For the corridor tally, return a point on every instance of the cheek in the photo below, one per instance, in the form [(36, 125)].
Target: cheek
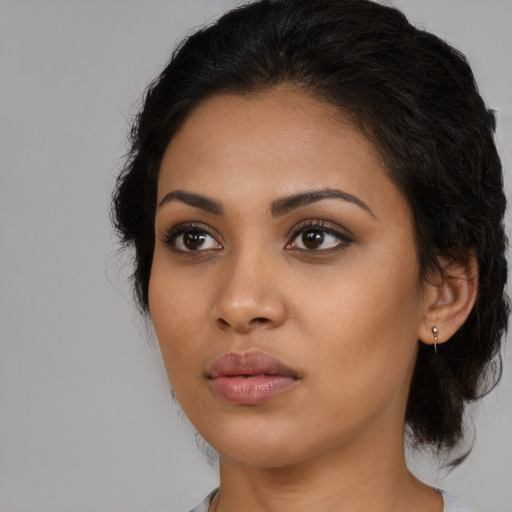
[(360, 297), (363, 330), (176, 312)]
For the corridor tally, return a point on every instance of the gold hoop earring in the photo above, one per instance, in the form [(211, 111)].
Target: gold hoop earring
[(435, 332)]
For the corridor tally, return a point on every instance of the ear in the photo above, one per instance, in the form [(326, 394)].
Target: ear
[(449, 298)]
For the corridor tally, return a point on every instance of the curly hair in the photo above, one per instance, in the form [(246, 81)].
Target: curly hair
[(415, 98)]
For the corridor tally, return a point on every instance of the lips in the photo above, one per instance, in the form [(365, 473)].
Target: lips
[(250, 378)]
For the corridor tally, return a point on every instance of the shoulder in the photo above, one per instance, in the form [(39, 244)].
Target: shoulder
[(205, 504), (452, 505)]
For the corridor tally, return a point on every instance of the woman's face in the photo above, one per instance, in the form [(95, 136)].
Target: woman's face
[(284, 289)]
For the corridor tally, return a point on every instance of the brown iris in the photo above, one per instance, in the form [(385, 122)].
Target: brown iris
[(313, 239), (193, 240)]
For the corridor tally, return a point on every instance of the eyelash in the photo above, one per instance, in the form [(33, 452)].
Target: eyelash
[(172, 235), (321, 226), (344, 240)]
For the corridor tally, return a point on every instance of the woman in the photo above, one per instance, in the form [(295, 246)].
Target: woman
[(316, 206)]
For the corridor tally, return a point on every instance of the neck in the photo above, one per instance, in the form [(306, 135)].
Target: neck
[(351, 478)]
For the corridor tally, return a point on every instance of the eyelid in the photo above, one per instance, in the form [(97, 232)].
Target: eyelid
[(343, 234), (171, 234)]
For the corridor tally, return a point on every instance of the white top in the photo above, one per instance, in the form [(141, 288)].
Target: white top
[(450, 503)]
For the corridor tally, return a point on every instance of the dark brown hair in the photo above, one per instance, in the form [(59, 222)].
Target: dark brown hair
[(415, 97)]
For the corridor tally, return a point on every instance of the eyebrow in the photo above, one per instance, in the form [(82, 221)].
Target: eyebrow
[(287, 204), (278, 208), (196, 200)]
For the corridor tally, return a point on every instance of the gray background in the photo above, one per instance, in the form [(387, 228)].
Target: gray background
[(86, 419)]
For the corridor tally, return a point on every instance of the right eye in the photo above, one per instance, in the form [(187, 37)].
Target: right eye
[(191, 239)]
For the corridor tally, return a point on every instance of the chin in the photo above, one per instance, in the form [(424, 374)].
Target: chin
[(259, 445), (258, 456)]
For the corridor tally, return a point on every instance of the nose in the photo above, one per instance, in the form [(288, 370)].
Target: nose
[(249, 296)]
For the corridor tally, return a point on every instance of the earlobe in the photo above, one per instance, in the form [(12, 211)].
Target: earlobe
[(450, 297)]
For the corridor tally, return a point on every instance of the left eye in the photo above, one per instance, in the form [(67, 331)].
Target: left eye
[(317, 239), (195, 240)]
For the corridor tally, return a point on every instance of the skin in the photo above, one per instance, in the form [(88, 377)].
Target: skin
[(345, 316)]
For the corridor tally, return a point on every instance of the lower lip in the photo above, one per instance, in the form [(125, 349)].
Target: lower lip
[(251, 390)]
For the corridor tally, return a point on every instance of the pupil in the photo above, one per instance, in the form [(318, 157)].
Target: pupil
[(193, 239), (313, 239)]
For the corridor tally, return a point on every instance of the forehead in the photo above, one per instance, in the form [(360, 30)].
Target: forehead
[(278, 142)]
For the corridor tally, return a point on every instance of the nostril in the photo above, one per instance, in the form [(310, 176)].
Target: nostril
[(222, 322), (260, 320), (243, 327)]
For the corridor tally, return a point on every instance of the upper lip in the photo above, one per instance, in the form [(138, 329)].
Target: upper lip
[(249, 363)]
